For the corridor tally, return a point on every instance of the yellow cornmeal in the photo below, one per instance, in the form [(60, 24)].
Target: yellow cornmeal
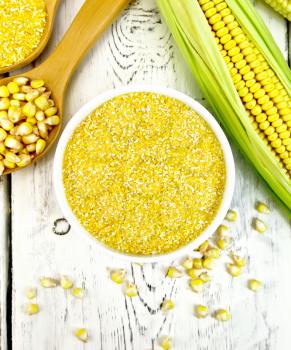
[(144, 173), (22, 24)]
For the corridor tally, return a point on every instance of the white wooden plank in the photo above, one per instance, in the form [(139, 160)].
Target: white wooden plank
[(139, 49), (4, 257)]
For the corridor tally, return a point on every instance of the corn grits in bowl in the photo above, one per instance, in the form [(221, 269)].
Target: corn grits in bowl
[(145, 171)]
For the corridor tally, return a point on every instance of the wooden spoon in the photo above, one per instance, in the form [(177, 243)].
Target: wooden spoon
[(93, 18), (51, 8)]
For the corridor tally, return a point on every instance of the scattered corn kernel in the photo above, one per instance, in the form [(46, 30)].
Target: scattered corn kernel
[(31, 293), (203, 247), (66, 283), (222, 315), (187, 263), (78, 292), (196, 285), (254, 285), (204, 276), (212, 253), (221, 230), (238, 260), (223, 242), (82, 334), (130, 290), (118, 276), (197, 263), (193, 273), (262, 208), (168, 304), (48, 282), (231, 215), (259, 225), (201, 311), (233, 270), (166, 343), (31, 309), (208, 263), (173, 272)]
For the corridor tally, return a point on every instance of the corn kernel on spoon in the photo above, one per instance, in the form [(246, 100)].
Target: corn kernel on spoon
[(93, 18), (51, 10)]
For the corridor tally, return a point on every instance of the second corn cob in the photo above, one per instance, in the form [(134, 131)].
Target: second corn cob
[(244, 76), (281, 6)]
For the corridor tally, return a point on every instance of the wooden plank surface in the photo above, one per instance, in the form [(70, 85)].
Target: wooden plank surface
[(139, 49)]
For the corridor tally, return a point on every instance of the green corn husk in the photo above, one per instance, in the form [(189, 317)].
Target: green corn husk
[(281, 6), (193, 35)]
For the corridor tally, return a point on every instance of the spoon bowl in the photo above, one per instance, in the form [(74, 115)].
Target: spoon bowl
[(91, 21), (51, 9)]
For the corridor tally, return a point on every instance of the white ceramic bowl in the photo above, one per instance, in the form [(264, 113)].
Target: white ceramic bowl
[(85, 111)]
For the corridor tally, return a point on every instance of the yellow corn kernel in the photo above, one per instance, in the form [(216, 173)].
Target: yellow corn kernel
[(40, 146), (4, 92), (118, 276), (31, 309), (20, 81), (12, 142), (42, 102), (82, 334), (39, 116), (14, 114), (187, 263), (201, 311), (28, 139), (35, 84), (29, 110), (19, 96), (196, 285), (259, 225), (8, 164), (78, 292), (4, 103), (254, 285), (48, 282), (204, 276), (221, 230), (168, 305), (130, 290), (197, 263), (231, 215), (223, 242), (3, 134), (24, 129), (222, 315), (166, 343), (212, 253), (54, 120), (51, 111), (25, 160), (173, 272), (31, 293), (203, 247), (13, 88), (262, 208), (30, 96), (32, 120), (233, 270), (66, 282), (238, 260), (193, 273), (15, 103), (12, 157), (208, 263)]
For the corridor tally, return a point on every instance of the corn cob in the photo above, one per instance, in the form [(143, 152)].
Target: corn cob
[(243, 74), (281, 6)]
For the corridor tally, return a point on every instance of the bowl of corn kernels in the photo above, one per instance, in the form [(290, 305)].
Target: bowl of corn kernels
[(145, 171)]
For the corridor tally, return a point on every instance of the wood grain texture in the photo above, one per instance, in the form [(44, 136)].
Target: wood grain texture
[(139, 49)]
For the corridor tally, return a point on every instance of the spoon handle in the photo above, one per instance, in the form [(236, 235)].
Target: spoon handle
[(93, 18)]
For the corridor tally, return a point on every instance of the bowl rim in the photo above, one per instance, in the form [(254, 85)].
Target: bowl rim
[(84, 112)]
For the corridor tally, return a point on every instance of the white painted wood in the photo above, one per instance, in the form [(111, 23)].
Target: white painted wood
[(138, 49), (4, 258)]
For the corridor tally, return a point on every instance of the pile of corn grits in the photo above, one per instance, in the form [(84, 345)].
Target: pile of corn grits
[(144, 174)]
